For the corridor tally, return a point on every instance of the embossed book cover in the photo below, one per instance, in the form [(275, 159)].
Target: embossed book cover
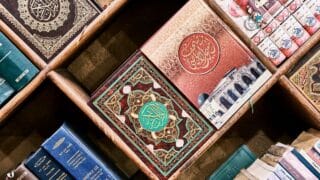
[(307, 79), (151, 117), (206, 62), (47, 26)]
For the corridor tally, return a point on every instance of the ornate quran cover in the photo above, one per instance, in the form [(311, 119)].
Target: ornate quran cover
[(307, 79), (206, 62), (150, 116), (47, 26)]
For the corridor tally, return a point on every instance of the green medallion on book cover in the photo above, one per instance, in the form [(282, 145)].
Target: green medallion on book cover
[(153, 116)]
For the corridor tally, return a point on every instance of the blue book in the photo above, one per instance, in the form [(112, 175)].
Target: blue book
[(77, 157), (42, 165), (241, 159), (306, 163), (15, 67)]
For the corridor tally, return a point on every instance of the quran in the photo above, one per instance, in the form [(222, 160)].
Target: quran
[(47, 26), (150, 116), (307, 79)]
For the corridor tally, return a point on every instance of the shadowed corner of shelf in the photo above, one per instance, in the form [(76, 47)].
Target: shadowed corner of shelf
[(18, 99), (300, 101)]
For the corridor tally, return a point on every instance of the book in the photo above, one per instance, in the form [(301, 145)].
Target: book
[(240, 159), (314, 155), (15, 67), (78, 159), (262, 171), (297, 169), (305, 141), (6, 91), (44, 166), (196, 49), (244, 175), (47, 26), (150, 116), (307, 161), (279, 171), (307, 80), (20, 173)]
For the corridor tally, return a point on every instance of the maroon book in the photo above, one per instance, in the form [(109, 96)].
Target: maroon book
[(206, 62), (151, 117), (47, 26)]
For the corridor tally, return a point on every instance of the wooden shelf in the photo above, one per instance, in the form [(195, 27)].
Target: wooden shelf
[(14, 102), (78, 95)]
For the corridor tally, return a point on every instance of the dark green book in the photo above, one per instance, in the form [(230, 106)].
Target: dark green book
[(15, 67), (6, 91), (241, 159)]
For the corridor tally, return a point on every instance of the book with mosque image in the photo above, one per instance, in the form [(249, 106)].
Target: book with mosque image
[(47, 26), (151, 117), (206, 62)]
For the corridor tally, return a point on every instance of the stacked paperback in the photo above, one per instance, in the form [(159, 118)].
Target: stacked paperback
[(277, 27), (16, 71), (65, 155), (300, 160)]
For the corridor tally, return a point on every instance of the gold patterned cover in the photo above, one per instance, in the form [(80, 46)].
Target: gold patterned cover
[(307, 79), (47, 26), (151, 117)]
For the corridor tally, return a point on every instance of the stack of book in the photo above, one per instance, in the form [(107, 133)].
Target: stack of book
[(277, 27), (300, 160), (16, 71), (66, 155)]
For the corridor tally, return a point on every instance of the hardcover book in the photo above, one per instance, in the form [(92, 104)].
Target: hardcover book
[(6, 91), (240, 159), (206, 62), (261, 170), (307, 79), (15, 67), (150, 116), (42, 165), (47, 26), (77, 157), (21, 173)]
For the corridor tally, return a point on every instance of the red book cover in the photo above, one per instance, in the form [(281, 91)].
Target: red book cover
[(151, 117), (205, 61)]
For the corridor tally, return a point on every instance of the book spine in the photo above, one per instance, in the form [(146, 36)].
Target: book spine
[(314, 156), (14, 66), (76, 158), (295, 167), (310, 164), (6, 91), (44, 166), (21, 173), (282, 173)]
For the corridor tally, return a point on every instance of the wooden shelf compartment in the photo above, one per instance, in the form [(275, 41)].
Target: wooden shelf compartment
[(272, 121), (39, 117), (298, 100), (74, 90)]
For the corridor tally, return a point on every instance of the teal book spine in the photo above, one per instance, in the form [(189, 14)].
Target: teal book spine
[(241, 159), (6, 91), (15, 67)]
